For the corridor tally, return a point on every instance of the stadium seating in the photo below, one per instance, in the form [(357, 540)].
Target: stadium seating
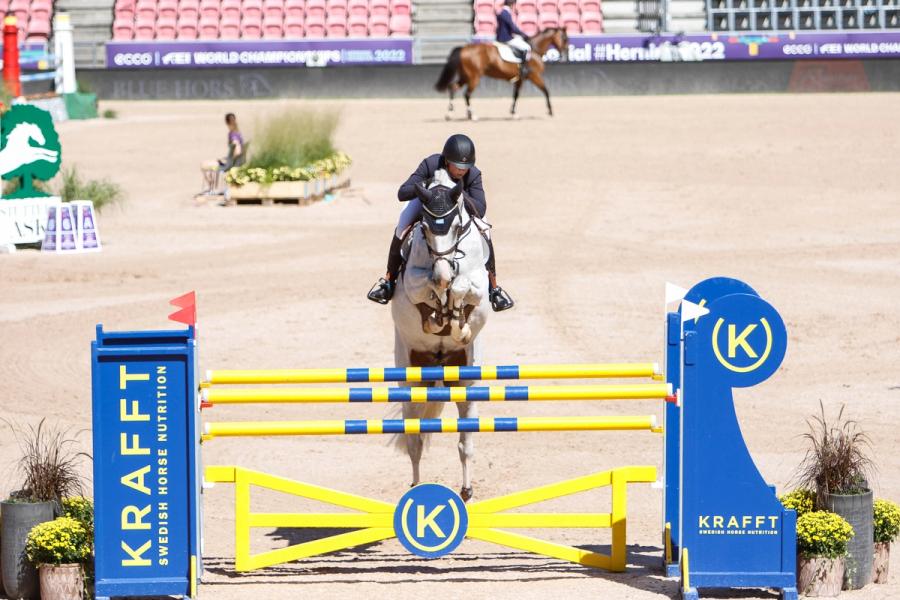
[(531, 16)]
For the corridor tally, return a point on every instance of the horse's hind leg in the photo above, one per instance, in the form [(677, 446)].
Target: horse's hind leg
[(466, 446), (452, 91), (414, 442), (470, 87), (539, 82)]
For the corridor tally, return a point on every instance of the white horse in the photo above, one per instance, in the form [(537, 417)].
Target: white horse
[(440, 305), (18, 150)]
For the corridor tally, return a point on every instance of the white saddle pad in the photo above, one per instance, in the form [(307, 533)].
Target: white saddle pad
[(506, 53)]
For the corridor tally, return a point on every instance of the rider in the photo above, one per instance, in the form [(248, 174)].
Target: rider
[(512, 36), (458, 160)]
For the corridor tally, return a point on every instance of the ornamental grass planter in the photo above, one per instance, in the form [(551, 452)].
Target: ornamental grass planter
[(62, 582), (20, 578), (881, 563), (820, 577), (856, 509), (301, 192)]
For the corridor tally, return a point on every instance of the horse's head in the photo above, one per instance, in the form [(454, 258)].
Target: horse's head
[(23, 132), (560, 39), (444, 219)]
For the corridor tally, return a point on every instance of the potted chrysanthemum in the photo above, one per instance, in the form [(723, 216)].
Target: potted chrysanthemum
[(886, 526), (58, 547), (821, 548)]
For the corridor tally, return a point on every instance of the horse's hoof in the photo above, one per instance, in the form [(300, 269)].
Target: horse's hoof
[(466, 494), (447, 117), (514, 116)]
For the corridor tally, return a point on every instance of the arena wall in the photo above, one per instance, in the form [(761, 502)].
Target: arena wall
[(563, 80)]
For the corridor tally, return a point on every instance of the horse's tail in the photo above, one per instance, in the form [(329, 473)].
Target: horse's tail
[(450, 70), (427, 410)]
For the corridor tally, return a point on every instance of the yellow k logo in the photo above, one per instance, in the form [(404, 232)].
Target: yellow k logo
[(740, 340), (422, 521)]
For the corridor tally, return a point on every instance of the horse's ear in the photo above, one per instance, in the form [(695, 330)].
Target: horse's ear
[(456, 191), (422, 192)]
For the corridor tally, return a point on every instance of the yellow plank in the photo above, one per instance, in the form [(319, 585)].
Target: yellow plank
[(314, 492), (560, 551), (219, 474), (317, 547), (539, 520), (539, 494), (316, 520)]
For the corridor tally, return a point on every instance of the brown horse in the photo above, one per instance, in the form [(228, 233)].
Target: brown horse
[(467, 64)]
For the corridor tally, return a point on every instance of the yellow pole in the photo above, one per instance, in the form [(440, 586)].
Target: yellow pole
[(645, 391)]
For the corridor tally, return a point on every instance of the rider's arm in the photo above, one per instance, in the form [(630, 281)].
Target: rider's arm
[(475, 199), (518, 31), (407, 191)]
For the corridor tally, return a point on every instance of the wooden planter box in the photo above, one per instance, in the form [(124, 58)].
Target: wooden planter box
[(294, 192)]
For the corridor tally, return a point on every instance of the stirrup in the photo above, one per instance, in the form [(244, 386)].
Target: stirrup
[(500, 300), (381, 292)]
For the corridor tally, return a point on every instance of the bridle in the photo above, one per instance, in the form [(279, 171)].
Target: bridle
[(461, 232)]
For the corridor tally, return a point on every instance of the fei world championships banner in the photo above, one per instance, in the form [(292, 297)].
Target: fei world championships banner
[(599, 48)]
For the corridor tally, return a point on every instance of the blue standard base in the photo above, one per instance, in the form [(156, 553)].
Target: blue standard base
[(788, 593)]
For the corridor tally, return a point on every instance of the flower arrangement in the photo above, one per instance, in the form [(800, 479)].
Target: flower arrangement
[(801, 500), (326, 167), (823, 534), (61, 541), (887, 521), (82, 510)]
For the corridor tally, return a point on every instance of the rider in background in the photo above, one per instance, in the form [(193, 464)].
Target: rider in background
[(458, 161), (508, 33)]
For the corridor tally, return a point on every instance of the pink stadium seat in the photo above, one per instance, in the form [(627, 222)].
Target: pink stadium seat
[(547, 20), (357, 25), (251, 8), (592, 22), (41, 11), (273, 9), (293, 26), (251, 27), (123, 29), (314, 26), (229, 28), (145, 9), (526, 9), (547, 6), (272, 28), (144, 29), (189, 9), (19, 5), (485, 25), (38, 28), (294, 8), (208, 29), (400, 25), (380, 7), (209, 8), (21, 15), (401, 8), (4, 6), (379, 25), (571, 21), (337, 9), (358, 7), (528, 23), (315, 8), (485, 4), (485, 13), (188, 30), (165, 28), (125, 13), (589, 6), (125, 4), (336, 25), (231, 9), (167, 9), (568, 6)]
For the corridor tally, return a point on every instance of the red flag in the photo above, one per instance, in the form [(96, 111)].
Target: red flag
[(188, 305)]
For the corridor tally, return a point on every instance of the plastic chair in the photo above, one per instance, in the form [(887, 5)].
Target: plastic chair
[(125, 13), (589, 6), (529, 24), (359, 8), (401, 8), (210, 8), (337, 9), (208, 28), (231, 9), (336, 26), (123, 29), (273, 9), (272, 28), (189, 9), (547, 7), (527, 6), (145, 10), (315, 8), (251, 27), (229, 29), (379, 26), (357, 26), (571, 21), (485, 26), (38, 28), (314, 26), (592, 23), (548, 20), (252, 9), (293, 26), (188, 30), (380, 7), (165, 28), (294, 8), (144, 29), (401, 25)]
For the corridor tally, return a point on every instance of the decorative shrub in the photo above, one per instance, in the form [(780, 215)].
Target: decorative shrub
[(61, 541), (82, 510), (332, 165), (822, 534), (887, 521), (801, 500), (49, 463), (292, 137)]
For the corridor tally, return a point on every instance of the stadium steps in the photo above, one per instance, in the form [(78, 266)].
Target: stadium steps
[(92, 24), (440, 26), (687, 15)]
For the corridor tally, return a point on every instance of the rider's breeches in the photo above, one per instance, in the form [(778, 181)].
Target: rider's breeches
[(519, 44)]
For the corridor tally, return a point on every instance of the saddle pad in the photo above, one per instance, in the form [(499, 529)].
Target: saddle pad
[(506, 53)]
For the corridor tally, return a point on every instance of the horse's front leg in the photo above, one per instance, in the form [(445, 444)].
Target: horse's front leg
[(414, 443), (466, 446), (452, 90), (459, 327)]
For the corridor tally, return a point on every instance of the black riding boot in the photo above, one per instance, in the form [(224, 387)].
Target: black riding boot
[(500, 300), (383, 291), (523, 67)]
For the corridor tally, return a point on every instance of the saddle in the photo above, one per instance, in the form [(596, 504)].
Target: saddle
[(507, 54)]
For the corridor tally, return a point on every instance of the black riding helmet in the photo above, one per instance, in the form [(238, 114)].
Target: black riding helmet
[(459, 150)]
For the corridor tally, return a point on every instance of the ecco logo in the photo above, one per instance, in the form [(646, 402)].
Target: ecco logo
[(133, 59)]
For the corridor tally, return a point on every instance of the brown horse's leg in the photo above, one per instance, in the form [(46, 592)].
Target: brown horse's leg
[(452, 89), (537, 80), (516, 87), (470, 87)]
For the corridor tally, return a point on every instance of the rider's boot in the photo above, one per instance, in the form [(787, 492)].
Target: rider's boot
[(500, 300), (383, 291), (523, 67)]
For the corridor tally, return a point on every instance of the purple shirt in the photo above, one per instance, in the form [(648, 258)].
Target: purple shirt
[(234, 137)]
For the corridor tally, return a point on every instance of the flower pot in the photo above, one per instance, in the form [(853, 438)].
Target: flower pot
[(822, 577), (857, 510), (62, 582), (882, 562), (20, 579)]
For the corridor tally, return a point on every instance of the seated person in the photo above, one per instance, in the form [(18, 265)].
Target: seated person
[(236, 156)]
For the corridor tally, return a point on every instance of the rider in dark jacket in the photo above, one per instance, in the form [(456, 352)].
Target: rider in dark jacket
[(508, 33), (458, 160)]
